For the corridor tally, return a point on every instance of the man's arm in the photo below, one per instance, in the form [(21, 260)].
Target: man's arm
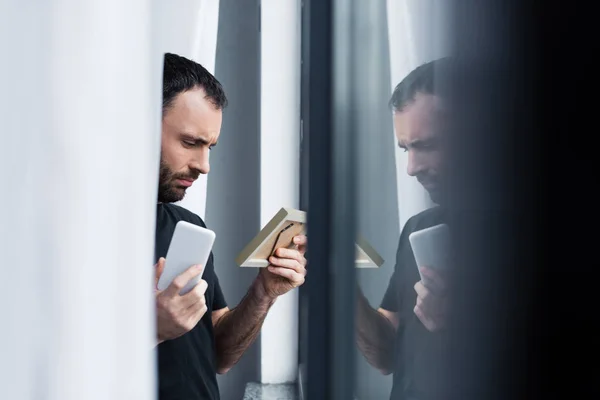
[(376, 334), (235, 330)]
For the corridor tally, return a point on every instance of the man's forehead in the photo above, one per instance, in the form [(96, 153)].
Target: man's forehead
[(425, 106), (193, 105), (194, 115), (423, 114)]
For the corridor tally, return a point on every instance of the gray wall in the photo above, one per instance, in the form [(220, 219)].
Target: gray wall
[(377, 194), (233, 198)]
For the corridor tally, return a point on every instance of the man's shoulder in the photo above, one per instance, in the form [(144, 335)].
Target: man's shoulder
[(425, 219), (183, 214)]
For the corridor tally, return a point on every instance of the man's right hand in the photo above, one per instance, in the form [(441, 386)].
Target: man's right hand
[(177, 314)]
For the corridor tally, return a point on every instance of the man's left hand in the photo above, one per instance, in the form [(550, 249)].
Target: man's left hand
[(431, 300), (287, 269)]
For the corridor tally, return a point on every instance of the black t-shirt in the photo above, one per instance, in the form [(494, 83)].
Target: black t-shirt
[(419, 371), (187, 365)]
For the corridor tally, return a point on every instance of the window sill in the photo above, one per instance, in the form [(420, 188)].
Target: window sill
[(262, 391)]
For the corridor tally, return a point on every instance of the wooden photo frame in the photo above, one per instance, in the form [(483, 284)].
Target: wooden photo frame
[(366, 255), (280, 231)]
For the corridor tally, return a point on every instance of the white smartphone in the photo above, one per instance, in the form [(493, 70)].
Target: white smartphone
[(190, 245), (431, 247)]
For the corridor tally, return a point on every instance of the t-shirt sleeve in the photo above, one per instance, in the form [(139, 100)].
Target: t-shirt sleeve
[(218, 297), (218, 302), (393, 295), (391, 298)]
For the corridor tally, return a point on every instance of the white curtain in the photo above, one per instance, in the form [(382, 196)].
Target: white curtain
[(280, 168), (418, 33), (80, 88), (189, 28)]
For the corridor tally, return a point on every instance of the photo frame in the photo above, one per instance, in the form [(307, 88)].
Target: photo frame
[(280, 231)]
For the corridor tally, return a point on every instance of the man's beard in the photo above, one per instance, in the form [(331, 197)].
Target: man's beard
[(168, 189), (436, 196), (436, 193)]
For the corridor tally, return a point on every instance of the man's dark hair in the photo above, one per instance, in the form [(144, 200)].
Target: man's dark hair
[(425, 79), (181, 74)]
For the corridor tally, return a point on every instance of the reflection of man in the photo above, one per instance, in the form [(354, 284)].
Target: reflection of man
[(198, 335), (404, 336)]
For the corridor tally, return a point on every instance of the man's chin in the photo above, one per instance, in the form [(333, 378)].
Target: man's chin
[(173, 195), (435, 196)]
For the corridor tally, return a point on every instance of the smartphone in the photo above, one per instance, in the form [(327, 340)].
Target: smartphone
[(431, 247), (190, 245)]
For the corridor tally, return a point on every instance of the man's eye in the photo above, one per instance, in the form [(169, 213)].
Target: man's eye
[(427, 146), (189, 143)]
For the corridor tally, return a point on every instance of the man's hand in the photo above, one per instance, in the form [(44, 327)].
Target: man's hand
[(237, 329), (431, 300), (176, 314), (286, 271)]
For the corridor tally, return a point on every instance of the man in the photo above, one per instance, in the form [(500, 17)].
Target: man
[(198, 335), (405, 335)]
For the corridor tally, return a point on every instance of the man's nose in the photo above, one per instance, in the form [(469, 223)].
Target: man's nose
[(200, 163), (414, 165)]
